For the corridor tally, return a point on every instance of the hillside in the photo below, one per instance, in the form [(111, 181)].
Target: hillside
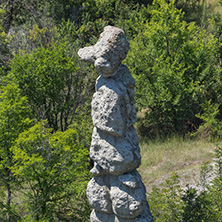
[(186, 157), (175, 57)]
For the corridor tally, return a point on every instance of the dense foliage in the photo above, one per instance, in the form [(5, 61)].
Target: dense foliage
[(51, 83), (45, 94), (53, 169), (176, 69), (14, 118)]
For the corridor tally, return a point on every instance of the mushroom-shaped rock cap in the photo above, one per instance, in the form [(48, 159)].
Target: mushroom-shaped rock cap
[(108, 53)]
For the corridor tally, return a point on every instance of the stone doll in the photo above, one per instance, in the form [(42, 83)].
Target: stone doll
[(116, 192)]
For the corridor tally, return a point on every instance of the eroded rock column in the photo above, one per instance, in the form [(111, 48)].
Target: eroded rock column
[(116, 192)]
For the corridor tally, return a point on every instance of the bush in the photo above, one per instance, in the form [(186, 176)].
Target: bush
[(175, 67), (54, 172), (52, 82)]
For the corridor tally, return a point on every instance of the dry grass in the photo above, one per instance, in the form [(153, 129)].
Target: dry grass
[(215, 5), (160, 159)]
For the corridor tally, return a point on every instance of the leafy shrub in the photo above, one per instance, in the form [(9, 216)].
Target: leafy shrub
[(211, 126), (52, 83), (197, 207), (14, 119), (54, 169), (165, 202), (175, 67)]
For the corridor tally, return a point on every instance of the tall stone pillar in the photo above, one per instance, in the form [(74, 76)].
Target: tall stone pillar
[(116, 192)]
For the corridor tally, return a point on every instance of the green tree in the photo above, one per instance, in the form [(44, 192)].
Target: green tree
[(175, 66), (14, 119), (54, 86), (54, 171)]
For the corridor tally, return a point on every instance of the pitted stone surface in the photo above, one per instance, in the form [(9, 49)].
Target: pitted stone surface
[(113, 108), (108, 53), (116, 192), (145, 216), (98, 195), (97, 216), (115, 155), (127, 194), (123, 195)]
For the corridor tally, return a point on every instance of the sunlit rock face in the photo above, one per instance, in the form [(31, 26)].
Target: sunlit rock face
[(116, 192)]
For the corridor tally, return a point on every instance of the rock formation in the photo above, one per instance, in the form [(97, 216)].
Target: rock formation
[(116, 192)]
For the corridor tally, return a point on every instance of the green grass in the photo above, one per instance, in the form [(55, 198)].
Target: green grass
[(185, 156)]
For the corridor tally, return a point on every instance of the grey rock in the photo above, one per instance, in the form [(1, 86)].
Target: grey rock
[(108, 53), (97, 216), (127, 194), (98, 195), (115, 155), (116, 192), (122, 195), (130, 180), (115, 144), (145, 216), (113, 108)]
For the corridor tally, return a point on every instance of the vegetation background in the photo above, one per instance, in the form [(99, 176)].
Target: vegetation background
[(45, 95)]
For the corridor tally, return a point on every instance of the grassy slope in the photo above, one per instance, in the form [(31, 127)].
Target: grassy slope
[(161, 158), (215, 5)]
